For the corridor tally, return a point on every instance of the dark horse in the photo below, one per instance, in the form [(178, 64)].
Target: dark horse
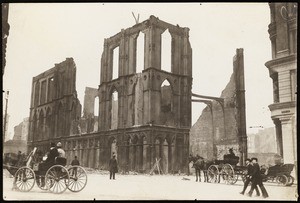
[(199, 163), (12, 162)]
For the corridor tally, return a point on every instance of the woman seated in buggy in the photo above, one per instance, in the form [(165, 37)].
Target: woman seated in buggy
[(53, 158)]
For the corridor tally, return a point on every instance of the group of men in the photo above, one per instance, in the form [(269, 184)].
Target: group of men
[(254, 176)]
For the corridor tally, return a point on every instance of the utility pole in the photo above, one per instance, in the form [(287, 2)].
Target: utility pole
[(5, 116)]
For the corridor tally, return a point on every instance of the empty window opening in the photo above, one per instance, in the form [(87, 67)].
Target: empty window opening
[(43, 92), (166, 97), (50, 89), (96, 106), (166, 51), (140, 50), (115, 70), (114, 110)]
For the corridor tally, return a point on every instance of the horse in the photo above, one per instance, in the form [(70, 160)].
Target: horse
[(199, 164), (12, 162)]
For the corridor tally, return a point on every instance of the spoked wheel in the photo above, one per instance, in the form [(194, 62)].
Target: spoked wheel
[(228, 174), (78, 178), (291, 180), (282, 180), (213, 174), (57, 179), (24, 179)]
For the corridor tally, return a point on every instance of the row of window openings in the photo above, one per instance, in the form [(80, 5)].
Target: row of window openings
[(166, 40), (41, 92)]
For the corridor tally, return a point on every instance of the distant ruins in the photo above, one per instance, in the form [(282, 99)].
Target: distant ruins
[(140, 119)]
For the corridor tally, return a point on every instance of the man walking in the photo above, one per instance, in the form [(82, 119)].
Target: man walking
[(113, 167), (248, 180), (257, 179)]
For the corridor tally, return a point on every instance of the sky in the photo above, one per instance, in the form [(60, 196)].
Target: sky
[(41, 35)]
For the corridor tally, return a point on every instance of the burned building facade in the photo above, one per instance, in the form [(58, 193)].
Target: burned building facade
[(142, 116), (222, 124), (54, 105), (143, 119)]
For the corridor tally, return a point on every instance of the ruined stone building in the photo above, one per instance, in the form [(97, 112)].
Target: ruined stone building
[(140, 116), (21, 130), (222, 125), (148, 121), (19, 141), (54, 105), (283, 71)]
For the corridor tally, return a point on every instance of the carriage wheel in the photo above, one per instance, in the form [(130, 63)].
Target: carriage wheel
[(228, 174), (24, 179), (213, 174), (57, 179), (282, 180), (78, 178), (290, 180)]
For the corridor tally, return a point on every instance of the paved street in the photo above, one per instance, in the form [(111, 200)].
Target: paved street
[(146, 187)]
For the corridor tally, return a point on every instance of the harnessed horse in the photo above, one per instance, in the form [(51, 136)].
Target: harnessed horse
[(199, 163)]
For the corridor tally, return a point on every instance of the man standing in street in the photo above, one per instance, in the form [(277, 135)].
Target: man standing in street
[(113, 167), (257, 179), (248, 180)]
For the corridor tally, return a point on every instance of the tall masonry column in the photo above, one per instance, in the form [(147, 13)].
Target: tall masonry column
[(288, 144)]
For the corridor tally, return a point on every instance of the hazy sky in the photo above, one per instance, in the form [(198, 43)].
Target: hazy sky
[(44, 34)]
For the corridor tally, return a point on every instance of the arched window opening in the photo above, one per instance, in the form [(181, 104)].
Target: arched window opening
[(115, 70), (96, 106), (37, 93), (60, 120), (166, 97), (41, 125), (166, 51), (140, 51), (34, 127), (96, 113), (50, 89), (48, 124), (114, 110)]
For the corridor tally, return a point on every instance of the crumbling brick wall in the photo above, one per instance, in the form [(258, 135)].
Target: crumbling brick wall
[(209, 138)]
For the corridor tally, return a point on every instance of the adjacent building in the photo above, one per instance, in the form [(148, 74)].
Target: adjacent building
[(283, 71)]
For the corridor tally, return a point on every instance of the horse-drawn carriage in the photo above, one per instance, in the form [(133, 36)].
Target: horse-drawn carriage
[(55, 179), (280, 173), (227, 169)]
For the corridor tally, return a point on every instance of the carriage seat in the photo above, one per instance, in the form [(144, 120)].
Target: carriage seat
[(61, 161)]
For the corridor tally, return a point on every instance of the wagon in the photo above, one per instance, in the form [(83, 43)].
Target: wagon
[(226, 169), (57, 179), (280, 173)]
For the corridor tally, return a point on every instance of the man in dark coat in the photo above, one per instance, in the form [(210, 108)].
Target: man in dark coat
[(50, 161), (113, 167), (248, 180), (257, 179)]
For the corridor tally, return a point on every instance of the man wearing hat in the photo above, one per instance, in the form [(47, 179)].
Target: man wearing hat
[(257, 179), (113, 167), (50, 161), (248, 180), (61, 152)]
